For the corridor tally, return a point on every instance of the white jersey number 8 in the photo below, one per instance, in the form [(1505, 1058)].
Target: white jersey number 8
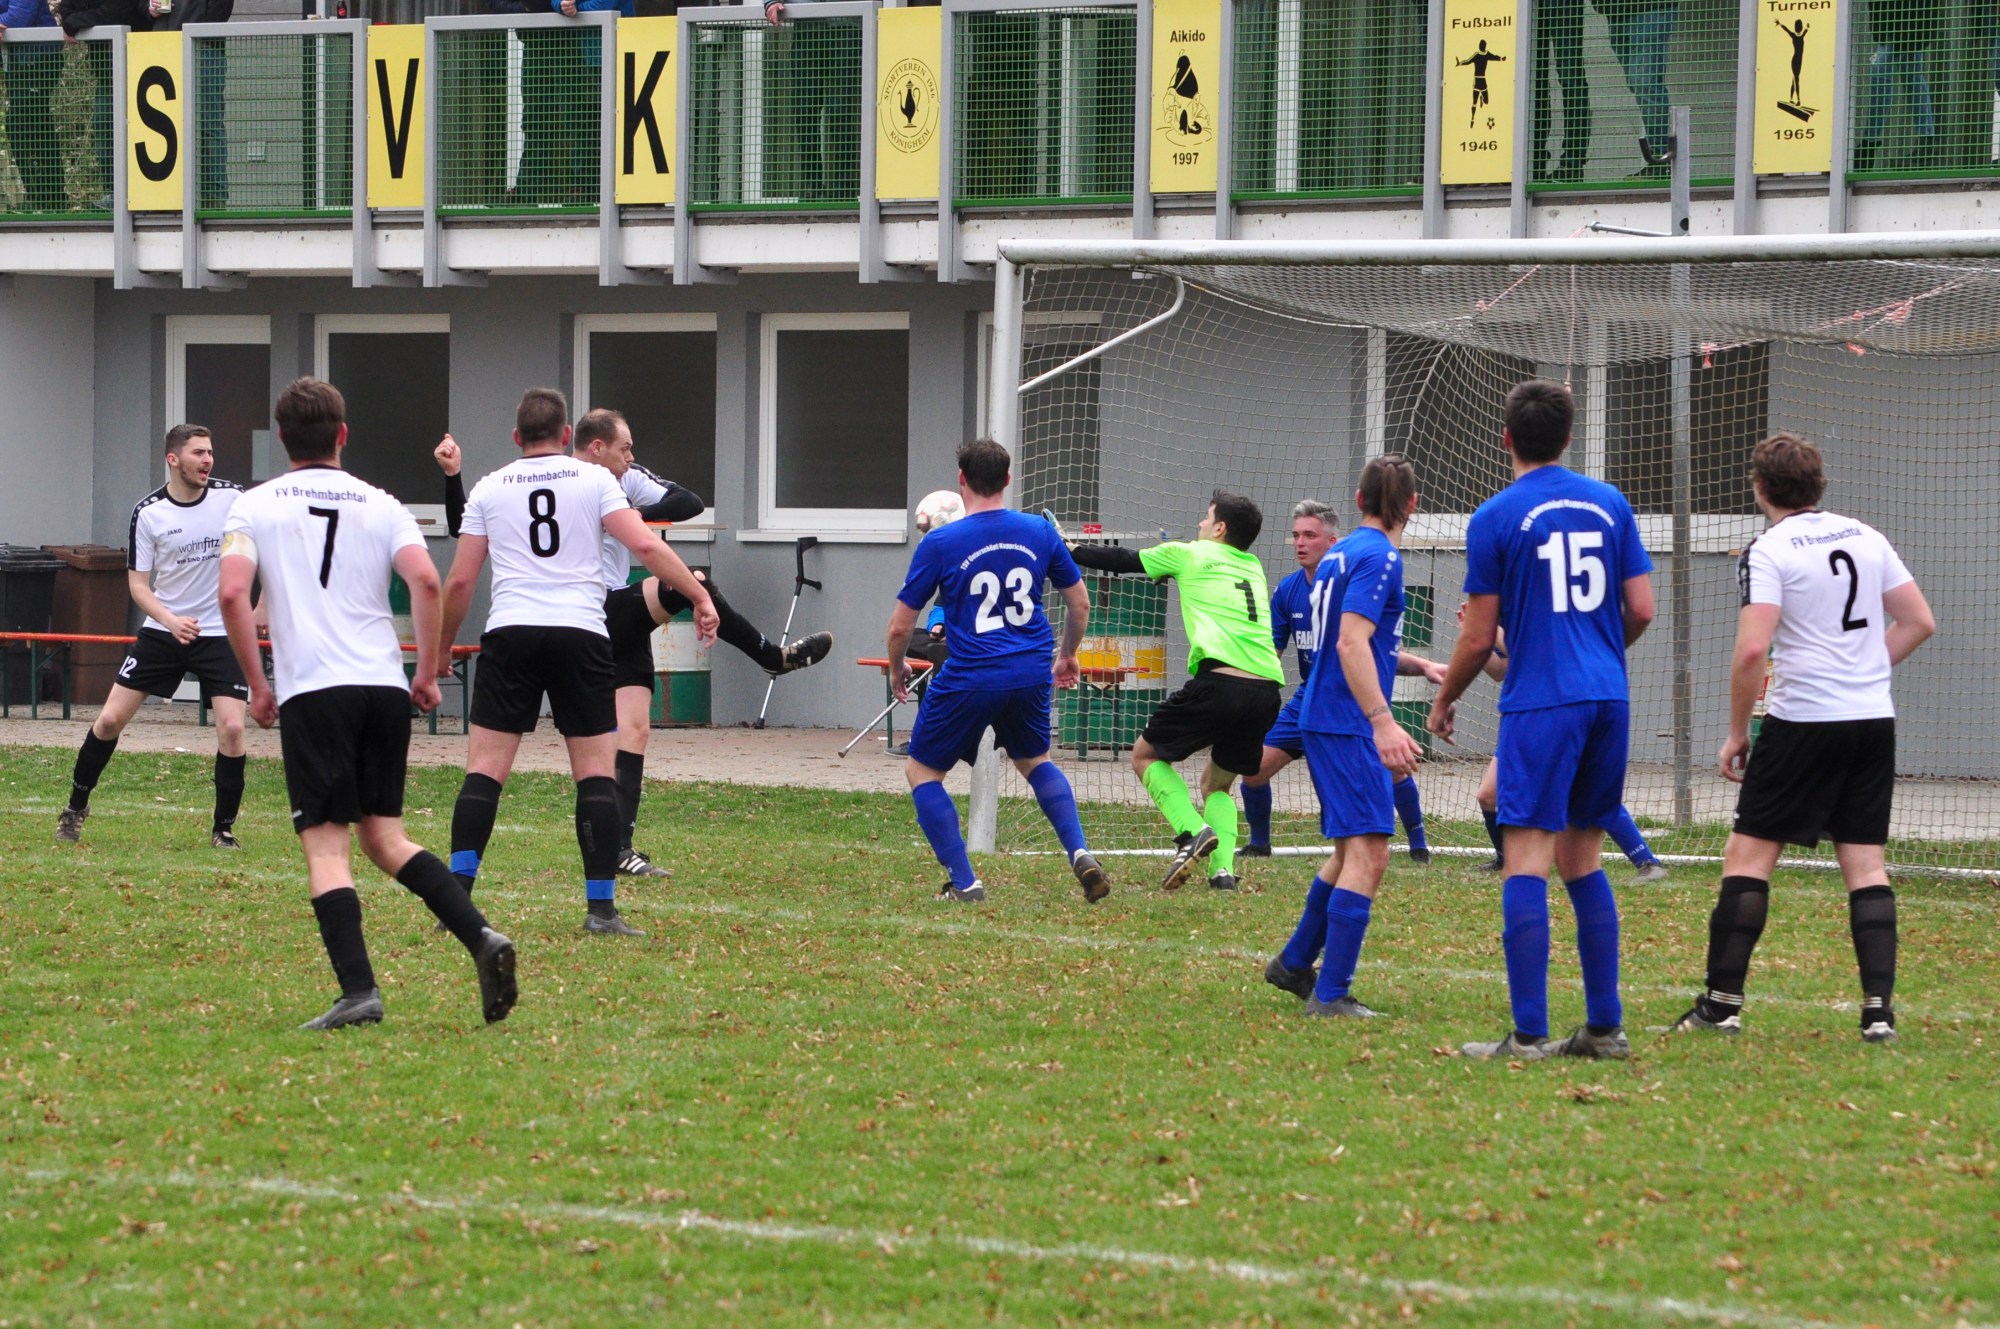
[(1017, 612), (1580, 565)]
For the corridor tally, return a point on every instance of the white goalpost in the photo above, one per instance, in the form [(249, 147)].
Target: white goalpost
[(1131, 379)]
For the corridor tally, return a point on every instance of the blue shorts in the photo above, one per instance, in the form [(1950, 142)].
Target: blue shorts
[(949, 724), (1353, 786), (1285, 734), (1563, 766)]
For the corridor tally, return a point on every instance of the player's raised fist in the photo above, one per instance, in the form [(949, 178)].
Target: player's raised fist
[(447, 455)]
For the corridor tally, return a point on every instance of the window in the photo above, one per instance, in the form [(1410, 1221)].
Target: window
[(219, 375), (658, 370), (834, 424), (395, 372)]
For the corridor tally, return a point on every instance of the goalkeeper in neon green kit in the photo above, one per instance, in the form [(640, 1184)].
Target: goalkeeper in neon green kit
[(1231, 696)]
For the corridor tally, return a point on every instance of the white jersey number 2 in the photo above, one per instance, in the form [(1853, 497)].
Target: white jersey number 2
[(1579, 565), (1017, 611)]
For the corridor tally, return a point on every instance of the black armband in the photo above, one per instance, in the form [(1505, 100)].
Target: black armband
[(677, 504), (454, 503), (1107, 558)]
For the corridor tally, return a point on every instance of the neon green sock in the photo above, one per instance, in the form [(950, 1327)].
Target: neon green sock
[(1170, 795), (1220, 809)]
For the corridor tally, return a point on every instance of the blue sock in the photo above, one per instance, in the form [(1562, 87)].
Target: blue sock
[(1410, 808), (1597, 948), (938, 816), (1524, 910), (1346, 928), (1058, 802), (1257, 811), (465, 863), (1493, 833), (1310, 935), (596, 888), (1625, 831)]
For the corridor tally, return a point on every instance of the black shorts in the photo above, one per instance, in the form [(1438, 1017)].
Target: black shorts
[(1809, 779), (631, 625), (346, 750), (157, 663), (517, 665), (1225, 713)]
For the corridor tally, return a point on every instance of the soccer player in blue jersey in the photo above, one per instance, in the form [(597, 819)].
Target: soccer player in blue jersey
[(1555, 558), (1355, 749), (1313, 532), (986, 570)]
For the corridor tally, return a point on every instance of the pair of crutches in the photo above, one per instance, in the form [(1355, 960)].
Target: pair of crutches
[(799, 583), (917, 686)]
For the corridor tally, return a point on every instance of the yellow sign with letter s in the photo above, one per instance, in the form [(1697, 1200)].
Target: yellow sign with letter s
[(157, 93)]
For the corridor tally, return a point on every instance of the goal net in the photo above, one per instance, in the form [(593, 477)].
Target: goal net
[(1131, 381)]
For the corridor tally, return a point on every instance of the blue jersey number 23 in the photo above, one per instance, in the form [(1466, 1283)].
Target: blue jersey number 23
[(1018, 610)]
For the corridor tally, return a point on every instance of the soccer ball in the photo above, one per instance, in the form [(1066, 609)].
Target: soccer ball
[(938, 509)]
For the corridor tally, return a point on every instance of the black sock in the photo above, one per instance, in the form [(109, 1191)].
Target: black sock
[(1871, 916), (597, 826), (228, 790), (426, 877), (631, 783), (472, 820), (1493, 832), (741, 633), (601, 908), (339, 914), (91, 759), (1734, 926)]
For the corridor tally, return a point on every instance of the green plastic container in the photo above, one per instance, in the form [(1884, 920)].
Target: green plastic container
[(681, 693), (1124, 661)]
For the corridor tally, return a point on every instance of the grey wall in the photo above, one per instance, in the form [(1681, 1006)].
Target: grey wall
[(46, 358), (514, 334)]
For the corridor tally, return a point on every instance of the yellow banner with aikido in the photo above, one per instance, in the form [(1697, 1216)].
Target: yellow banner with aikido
[(1187, 87), (1480, 80), (153, 111), (1795, 76), (909, 49), (396, 116)]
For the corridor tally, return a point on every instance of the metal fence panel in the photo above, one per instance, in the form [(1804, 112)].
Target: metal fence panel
[(1607, 72), (56, 137), (775, 115), (517, 122), (1329, 98), (1045, 106), (1925, 76), (275, 116)]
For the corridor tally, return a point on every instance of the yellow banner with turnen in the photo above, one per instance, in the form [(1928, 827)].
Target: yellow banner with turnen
[(1794, 86)]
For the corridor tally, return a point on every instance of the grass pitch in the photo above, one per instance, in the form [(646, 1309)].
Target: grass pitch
[(814, 1096)]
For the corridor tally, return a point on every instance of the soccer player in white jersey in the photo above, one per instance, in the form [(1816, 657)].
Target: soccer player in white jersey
[(1826, 597), (176, 541), (631, 612), (324, 544), (542, 519)]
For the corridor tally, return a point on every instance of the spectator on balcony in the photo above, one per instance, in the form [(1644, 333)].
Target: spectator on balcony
[(1642, 32), (1559, 49), (78, 17), (31, 70), (559, 152), (1901, 33), (211, 81), (820, 65)]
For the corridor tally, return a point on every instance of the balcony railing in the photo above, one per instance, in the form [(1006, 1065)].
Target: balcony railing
[(999, 104)]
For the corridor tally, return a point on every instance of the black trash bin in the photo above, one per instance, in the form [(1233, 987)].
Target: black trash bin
[(27, 598)]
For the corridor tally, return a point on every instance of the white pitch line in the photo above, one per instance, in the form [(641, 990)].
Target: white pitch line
[(1641, 1308), (954, 928)]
